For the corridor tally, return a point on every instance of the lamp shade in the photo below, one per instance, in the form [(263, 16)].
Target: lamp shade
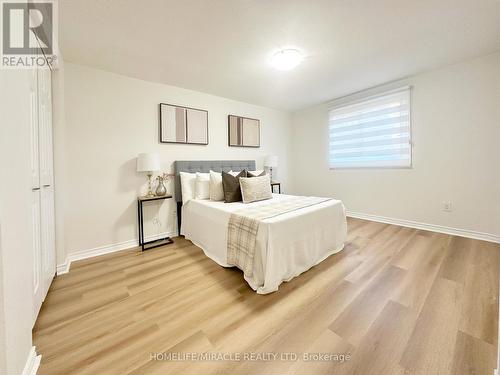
[(148, 162), (271, 161)]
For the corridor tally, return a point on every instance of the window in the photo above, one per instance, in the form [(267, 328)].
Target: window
[(372, 133)]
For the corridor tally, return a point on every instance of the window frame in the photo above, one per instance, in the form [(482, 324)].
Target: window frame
[(362, 99)]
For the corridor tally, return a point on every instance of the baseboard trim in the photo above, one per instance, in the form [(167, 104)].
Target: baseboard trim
[(84, 254), (32, 362), (424, 226)]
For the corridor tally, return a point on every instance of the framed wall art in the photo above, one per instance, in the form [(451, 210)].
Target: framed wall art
[(183, 125), (243, 131)]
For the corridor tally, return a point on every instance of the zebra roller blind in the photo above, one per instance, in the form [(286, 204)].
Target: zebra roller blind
[(371, 133)]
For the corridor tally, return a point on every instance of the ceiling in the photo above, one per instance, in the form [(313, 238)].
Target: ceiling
[(222, 47)]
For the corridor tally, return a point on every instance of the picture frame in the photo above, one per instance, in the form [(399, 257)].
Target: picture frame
[(243, 131), (185, 125)]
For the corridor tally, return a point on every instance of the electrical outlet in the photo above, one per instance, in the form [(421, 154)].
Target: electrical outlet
[(446, 207)]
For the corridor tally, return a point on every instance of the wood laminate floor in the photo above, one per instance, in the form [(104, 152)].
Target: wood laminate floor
[(397, 300)]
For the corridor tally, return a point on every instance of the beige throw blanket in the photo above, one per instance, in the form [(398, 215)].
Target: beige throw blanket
[(244, 225)]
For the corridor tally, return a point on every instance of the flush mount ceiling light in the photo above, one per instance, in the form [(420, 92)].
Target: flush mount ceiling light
[(286, 59)]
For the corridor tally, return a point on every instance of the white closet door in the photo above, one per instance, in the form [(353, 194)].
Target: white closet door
[(43, 186), (45, 123), (46, 177), (47, 237), (35, 162), (38, 287)]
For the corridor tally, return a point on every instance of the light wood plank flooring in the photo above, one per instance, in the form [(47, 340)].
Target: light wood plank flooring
[(398, 300)]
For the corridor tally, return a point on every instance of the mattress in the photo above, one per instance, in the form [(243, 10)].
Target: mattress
[(286, 246)]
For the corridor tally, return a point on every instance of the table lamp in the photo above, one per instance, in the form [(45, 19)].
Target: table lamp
[(148, 163), (271, 161)]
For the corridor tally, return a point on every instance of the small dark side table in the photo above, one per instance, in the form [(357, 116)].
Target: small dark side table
[(275, 183), (154, 243)]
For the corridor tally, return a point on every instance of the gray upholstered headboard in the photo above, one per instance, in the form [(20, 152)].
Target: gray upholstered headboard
[(205, 166)]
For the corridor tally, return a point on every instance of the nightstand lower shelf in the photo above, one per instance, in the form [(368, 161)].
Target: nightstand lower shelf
[(156, 243)]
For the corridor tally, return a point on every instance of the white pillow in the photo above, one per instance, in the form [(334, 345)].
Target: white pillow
[(233, 173), (216, 189), (256, 173), (202, 186), (255, 188), (188, 182)]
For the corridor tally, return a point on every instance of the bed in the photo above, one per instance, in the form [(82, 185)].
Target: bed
[(286, 245)]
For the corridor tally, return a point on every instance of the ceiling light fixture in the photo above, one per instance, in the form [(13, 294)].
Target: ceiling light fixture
[(286, 59)]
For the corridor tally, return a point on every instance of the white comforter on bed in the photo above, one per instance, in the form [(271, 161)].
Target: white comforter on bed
[(287, 245)]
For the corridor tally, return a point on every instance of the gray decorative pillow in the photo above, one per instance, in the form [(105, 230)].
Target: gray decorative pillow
[(231, 186), (255, 188)]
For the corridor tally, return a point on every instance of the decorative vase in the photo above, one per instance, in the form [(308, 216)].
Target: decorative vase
[(161, 190)]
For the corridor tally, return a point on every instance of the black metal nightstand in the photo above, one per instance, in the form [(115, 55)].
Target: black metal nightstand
[(275, 183), (155, 243)]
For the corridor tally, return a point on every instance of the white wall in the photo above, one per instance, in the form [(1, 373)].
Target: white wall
[(15, 217), (456, 153), (3, 360), (109, 120)]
